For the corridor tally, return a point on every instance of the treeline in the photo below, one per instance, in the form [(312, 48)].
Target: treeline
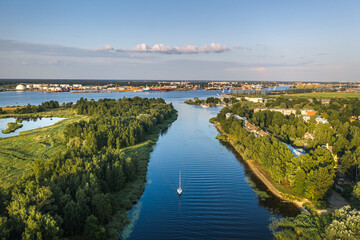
[(75, 193), (211, 101), (299, 103), (39, 108)]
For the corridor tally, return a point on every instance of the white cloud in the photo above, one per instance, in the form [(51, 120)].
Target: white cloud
[(189, 49), (106, 48)]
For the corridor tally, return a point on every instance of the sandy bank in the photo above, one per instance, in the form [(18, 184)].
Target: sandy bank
[(260, 173)]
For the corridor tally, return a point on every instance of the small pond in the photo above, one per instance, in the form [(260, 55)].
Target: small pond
[(28, 124)]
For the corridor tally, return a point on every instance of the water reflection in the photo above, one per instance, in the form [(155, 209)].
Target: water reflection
[(28, 124), (273, 203)]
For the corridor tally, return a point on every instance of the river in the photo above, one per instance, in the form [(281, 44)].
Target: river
[(217, 201)]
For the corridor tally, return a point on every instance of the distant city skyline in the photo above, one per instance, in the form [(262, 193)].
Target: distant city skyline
[(181, 40)]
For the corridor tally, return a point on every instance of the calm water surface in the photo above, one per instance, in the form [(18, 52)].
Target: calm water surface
[(217, 202), (27, 124)]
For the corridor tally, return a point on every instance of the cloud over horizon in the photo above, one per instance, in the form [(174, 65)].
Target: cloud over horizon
[(20, 59), (161, 48)]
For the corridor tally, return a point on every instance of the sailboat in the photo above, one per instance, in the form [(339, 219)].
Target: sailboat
[(179, 190)]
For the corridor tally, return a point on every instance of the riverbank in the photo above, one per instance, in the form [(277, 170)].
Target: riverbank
[(265, 176), (132, 191)]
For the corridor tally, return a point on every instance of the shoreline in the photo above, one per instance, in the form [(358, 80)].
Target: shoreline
[(258, 171), (134, 190)]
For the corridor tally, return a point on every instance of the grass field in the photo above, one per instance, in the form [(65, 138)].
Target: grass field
[(18, 152), (322, 95)]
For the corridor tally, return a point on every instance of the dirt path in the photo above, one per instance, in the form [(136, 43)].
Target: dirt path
[(337, 201), (271, 187)]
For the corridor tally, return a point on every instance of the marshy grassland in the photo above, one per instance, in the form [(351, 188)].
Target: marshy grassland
[(18, 152)]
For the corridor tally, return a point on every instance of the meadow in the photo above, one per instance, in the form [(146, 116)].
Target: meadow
[(321, 95)]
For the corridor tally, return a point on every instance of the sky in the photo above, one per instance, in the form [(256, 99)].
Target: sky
[(264, 40)]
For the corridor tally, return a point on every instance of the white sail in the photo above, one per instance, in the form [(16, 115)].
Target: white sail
[(179, 190)]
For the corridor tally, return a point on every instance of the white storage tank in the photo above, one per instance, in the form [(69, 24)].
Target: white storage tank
[(20, 87)]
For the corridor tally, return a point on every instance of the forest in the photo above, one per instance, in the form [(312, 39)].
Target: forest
[(84, 191), (310, 175)]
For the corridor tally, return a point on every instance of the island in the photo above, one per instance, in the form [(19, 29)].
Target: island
[(12, 126), (211, 101)]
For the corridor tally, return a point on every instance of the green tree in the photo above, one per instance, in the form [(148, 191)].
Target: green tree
[(345, 224), (298, 181), (71, 218), (357, 190), (340, 145), (102, 207), (93, 230), (318, 183), (304, 226), (4, 230), (40, 226)]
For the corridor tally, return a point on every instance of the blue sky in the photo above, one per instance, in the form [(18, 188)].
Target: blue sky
[(181, 40)]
